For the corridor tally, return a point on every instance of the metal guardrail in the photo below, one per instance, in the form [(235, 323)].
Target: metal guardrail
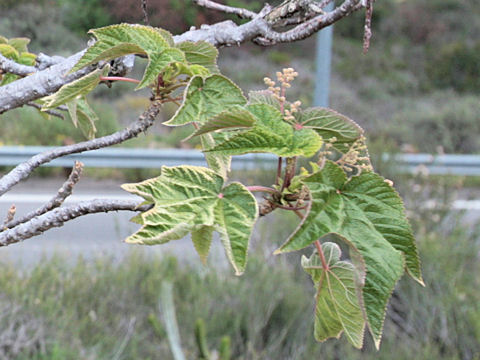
[(130, 158), (155, 158), (448, 164)]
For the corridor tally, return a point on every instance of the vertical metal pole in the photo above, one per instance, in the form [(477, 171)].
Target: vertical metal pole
[(323, 62)]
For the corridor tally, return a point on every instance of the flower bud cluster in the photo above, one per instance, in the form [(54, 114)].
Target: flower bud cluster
[(356, 158), (286, 76), (293, 109), (275, 90), (327, 146)]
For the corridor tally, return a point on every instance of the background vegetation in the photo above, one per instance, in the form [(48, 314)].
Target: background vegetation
[(422, 71), (418, 89), (103, 308)]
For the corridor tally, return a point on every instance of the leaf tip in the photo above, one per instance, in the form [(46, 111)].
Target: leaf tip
[(129, 240)]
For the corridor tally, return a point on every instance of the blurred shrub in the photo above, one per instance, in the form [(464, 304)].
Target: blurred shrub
[(448, 123), (174, 15), (456, 65), (43, 24), (88, 308), (279, 57), (352, 27), (25, 126), (81, 16)]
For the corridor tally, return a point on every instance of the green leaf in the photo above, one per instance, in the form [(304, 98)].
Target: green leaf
[(263, 97), (131, 39), (79, 87), (83, 116), (157, 62), (200, 53), (9, 52), (378, 199), (338, 306), (27, 58), (328, 124), (202, 239), (218, 162), (120, 40), (20, 44), (205, 98), (369, 215), (7, 78), (167, 35), (271, 134), (236, 117), (235, 215), (86, 118), (191, 199), (3, 40), (190, 70)]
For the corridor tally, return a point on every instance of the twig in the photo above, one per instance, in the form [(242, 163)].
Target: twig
[(367, 32), (289, 172), (292, 208), (242, 13), (45, 61), (10, 216), (311, 26), (62, 193), (119, 78), (145, 13), (49, 112), (279, 170), (258, 188), (59, 216), (9, 66), (23, 170)]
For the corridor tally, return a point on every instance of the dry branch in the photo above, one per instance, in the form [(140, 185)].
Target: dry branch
[(242, 13), (62, 193), (59, 216), (10, 66), (23, 170)]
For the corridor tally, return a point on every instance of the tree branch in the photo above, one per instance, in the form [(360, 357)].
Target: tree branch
[(49, 112), (10, 66), (44, 61), (62, 193), (225, 33), (40, 84), (309, 27), (242, 13), (59, 216), (23, 170), (45, 82)]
